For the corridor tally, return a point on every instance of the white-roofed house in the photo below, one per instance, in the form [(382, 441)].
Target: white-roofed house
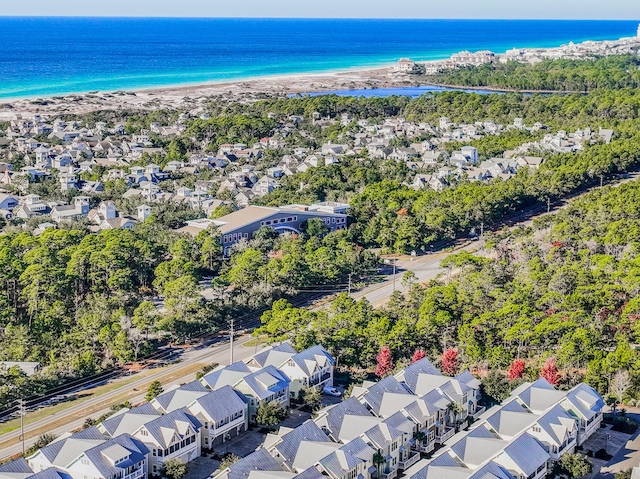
[(90, 455), (173, 435), (223, 413)]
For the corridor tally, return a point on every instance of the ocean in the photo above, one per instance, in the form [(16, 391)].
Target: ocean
[(47, 56)]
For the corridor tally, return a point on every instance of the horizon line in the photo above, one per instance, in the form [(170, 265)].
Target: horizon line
[(190, 17)]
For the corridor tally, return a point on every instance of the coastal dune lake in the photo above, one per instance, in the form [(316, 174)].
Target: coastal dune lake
[(412, 91), (52, 56)]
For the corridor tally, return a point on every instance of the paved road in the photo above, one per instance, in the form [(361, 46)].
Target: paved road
[(218, 353), (424, 267), (625, 458)]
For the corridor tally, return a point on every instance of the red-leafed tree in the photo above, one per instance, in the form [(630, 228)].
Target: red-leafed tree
[(418, 355), (385, 362), (550, 371), (516, 370), (450, 361)]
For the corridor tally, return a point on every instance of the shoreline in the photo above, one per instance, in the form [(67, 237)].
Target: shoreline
[(195, 96)]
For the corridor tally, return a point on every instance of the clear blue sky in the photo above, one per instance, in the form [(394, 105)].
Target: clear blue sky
[(543, 9)]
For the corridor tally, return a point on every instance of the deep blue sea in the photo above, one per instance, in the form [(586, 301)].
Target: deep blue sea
[(48, 56)]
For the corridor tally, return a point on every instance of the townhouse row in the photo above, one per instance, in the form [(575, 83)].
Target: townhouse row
[(180, 423), (520, 439), (381, 430), (378, 432)]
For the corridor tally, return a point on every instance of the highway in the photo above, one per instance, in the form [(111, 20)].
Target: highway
[(74, 416)]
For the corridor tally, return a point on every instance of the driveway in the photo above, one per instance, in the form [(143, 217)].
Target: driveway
[(628, 454)]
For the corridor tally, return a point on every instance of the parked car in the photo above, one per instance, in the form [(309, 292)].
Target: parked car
[(331, 391)]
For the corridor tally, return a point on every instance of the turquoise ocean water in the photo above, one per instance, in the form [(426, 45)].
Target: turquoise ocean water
[(51, 56)]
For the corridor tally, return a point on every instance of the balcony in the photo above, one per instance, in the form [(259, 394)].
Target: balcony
[(409, 461), (479, 412), (424, 447), (226, 427), (137, 474), (319, 380), (391, 474), (587, 429), (448, 434)]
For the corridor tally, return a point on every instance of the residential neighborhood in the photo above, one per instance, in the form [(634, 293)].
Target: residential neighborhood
[(385, 429), (83, 159)]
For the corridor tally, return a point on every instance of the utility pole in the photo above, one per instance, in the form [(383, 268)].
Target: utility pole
[(394, 274), (23, 411), (231, 341), (481, 229), (349, 293)]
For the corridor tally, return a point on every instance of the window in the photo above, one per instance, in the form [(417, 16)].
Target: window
[(206, 425), (295, 218), (268, 223), (536, 428), (333, 220), (154, 452), (290, 218), (144, 432), (85, 461)]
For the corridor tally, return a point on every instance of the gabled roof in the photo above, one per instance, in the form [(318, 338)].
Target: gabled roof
[(260, 460), (176, 423), (387, 396), (557, 423), (312, 357), (18, 469), (291, 441), (477, 447), (221, 403), (311, 473), (452, 388), (124, 446), (333, 417), (585, 400), (66, 448), (383, 434), (310, 452), (274, 356), (445, 467), (539, 396), (347, 457), (179, 397), (409, 375), (469, 380), (421, 409), (437, 399), (226, 376), (50, 473), (527, 453), (511, 419), (266, 382), (128, 420)]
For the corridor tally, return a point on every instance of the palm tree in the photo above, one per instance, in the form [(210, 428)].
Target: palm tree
[(420, 436), (378, 460), (456, 409)]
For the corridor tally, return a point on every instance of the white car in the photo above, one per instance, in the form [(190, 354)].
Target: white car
[(331, 391)]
